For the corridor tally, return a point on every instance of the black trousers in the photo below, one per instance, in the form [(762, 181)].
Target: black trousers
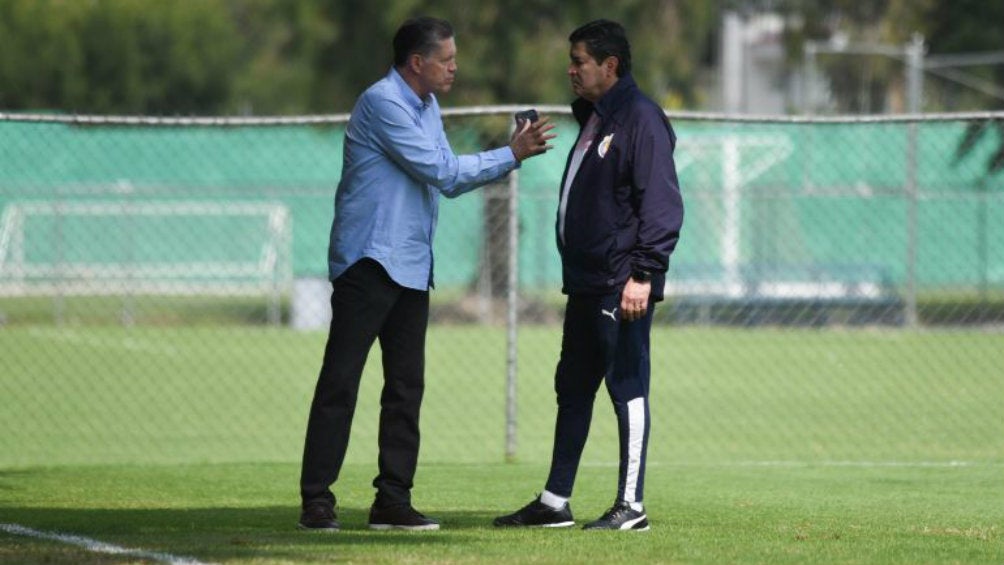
[(597, 346), (366, 305)]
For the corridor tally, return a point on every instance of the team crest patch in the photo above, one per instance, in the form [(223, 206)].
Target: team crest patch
[(604, 145)]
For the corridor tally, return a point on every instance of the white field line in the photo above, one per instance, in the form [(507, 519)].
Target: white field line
[(861, 464), (808, 464), (98, 546), (127, 343)]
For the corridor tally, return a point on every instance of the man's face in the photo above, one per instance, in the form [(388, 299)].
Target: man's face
[(439, 68), (590, 79)]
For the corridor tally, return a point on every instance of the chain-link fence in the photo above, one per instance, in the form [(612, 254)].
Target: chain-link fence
[(837, 294)]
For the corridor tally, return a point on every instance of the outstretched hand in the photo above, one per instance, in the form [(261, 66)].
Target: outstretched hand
[(531, 139)]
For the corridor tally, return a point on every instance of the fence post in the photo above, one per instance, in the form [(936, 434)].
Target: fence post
[(914, 82), (128, 236), (512, 318), (58, 300), (731, 184)]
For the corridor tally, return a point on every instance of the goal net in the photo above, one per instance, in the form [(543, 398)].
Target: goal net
[(110, 248)]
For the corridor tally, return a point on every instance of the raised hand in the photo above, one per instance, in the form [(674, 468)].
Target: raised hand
[(531, 139)]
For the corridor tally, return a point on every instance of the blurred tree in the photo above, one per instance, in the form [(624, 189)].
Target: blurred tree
[(858, 83), (876, 83), (282, 61), (517, 50), (948, 27), (299, 56), (961, 27), (40, 55), (116, 56)]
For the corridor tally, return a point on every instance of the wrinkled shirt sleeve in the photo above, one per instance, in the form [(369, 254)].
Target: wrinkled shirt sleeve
[(426, 155)]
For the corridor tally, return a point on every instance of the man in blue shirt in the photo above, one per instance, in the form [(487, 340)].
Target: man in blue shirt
[(397, 162)]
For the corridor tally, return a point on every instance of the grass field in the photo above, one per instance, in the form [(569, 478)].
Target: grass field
[(768, 446)]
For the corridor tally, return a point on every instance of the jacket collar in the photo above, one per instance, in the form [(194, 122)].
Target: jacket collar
[(609, 104)]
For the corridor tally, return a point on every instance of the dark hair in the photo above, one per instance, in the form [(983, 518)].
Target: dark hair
[(419, 35), (605, 38)]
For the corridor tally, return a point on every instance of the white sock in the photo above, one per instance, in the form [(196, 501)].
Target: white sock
[(553, 500), (636, 506)]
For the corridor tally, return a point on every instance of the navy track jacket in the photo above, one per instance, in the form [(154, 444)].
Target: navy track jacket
[(624, 207)]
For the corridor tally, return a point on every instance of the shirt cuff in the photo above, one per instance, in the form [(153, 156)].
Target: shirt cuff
[(516, 163)]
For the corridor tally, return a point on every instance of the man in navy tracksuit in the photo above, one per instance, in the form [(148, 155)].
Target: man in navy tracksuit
[(619, 219)]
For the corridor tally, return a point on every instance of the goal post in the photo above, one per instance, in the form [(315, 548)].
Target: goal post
[(165, 248)]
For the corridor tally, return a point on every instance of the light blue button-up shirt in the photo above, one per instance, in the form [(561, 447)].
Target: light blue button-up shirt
[(397, 162)]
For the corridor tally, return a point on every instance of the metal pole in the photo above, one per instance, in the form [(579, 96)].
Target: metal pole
[(731, 215), (16, 225), (732, 63), (512, 320), (128, 236), (808, 76), (59, 302), (485, 274), (279, 243), (914, 83)]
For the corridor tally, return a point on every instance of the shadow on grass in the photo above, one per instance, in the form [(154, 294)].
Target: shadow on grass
[(224, 534), (7, 478)]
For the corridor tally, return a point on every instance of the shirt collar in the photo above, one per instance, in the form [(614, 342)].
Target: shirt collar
[(407, 93)]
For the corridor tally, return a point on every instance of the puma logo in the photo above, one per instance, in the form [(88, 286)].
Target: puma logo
[(611, 313)]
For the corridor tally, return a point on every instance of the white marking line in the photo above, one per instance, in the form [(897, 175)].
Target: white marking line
[(98, 546), (806, 464), (863, 464), (104, 342)]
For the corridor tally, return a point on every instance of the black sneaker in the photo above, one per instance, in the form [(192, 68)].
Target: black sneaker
[(537, 514), (319, 517), (620, 517), (400, 517)]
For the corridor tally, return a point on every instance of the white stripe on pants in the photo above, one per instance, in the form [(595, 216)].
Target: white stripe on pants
[(636, 439)]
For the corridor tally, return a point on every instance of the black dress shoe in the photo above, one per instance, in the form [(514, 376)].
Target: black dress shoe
[(400, 517), (319, 517)]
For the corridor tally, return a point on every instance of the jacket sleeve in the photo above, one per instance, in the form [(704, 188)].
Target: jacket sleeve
[(656, 192)]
